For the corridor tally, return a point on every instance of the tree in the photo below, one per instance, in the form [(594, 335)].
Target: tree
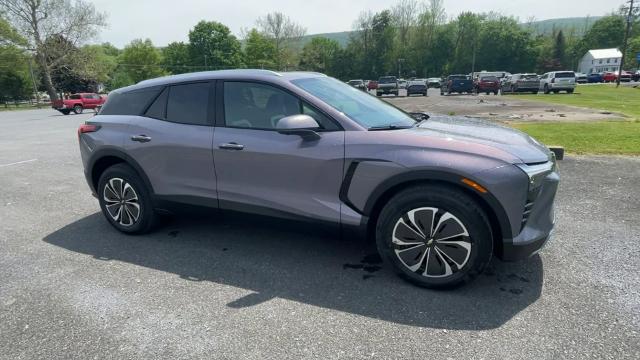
[(260, 51), (38, 20), (176, 57), (284, 33), (318, 55), (212, 45), (140, 60), (15, 80), (9, 35), (404, 15)]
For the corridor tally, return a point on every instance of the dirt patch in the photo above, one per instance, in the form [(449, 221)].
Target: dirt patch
[(500, 108)]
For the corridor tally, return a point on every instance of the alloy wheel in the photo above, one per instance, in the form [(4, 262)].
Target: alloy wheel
[(121, 201), (431, 242)]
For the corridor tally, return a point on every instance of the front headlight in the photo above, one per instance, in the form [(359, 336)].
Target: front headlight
[(537, 172)]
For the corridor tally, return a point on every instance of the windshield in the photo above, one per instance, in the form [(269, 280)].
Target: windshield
[(362, 108), (488, 78), (387, 80), (458, 77)]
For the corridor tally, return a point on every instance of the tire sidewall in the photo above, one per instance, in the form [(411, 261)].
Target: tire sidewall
[(145, 219), (475, 222)]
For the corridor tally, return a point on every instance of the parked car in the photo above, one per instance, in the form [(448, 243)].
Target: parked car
[(626, 76), (557, 81), (417, 86), (609, 76), (487, 84), (387, 85), (595, 78), (78, 102), (581, 78), (459, 83), (372, 85), (433, 82), (499, 74), (520, 83), (636, 76), (439, 197), (358, 84), (402, 83)]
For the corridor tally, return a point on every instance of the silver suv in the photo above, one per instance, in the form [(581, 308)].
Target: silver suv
[(439, 196), (557, 81)]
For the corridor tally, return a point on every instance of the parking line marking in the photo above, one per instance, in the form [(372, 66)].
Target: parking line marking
[(19, 162)]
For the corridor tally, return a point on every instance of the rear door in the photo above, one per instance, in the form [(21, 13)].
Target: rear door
[(261, 170), (172, 143)]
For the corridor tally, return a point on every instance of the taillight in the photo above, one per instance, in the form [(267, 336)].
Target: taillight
[(87, 128)]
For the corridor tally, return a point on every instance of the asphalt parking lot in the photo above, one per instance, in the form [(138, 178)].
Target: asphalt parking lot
[(214, 286)]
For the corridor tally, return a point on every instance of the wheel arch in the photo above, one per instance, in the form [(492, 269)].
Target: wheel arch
[(386, 190), (103, 159)]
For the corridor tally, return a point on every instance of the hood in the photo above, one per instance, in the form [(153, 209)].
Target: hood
[(469, 130)]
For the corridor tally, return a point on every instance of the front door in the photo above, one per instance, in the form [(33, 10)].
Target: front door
[(261, 170)]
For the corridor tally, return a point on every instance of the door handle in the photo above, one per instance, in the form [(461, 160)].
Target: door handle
[(141, 138), (231, 146)]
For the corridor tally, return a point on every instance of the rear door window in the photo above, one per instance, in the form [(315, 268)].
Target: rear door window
[(188, 103), (129, 103)]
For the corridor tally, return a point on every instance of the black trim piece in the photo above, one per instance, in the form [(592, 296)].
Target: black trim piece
[(511, 252), (346, 183), (169, 202), (228, 205), (453, 179), (219, 94)]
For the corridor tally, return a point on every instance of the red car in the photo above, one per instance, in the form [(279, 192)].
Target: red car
[(78, 102), (372, 85), (487, 84)]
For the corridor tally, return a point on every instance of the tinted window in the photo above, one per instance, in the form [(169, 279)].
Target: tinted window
[(324, 121), (565, 74), (158, 108), (257, 106), (74, 97), (188, 103), (128, 103), (387, 80)]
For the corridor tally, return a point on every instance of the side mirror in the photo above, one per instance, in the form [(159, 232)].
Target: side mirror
[(420, 116), (301, 125)]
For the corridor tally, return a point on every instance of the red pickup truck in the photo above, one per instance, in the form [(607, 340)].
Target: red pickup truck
[(78, 102)]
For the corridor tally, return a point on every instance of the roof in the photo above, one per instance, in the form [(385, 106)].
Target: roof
[(605, 53), (252, 74)]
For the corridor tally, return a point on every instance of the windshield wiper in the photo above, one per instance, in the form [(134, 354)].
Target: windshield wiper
[(388, 127)]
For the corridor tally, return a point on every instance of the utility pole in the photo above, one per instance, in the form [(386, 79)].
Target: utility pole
[(626, 38)]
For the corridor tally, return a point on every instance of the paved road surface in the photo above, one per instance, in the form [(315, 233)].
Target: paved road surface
[(208, 286)]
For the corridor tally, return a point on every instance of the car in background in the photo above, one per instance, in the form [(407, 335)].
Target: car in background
[(417, 86), (457, 83), (595, 78), (487, 84), (387, 85), (527, 82), (609, 76), (78, 102), (372, 85), (499, 74), (402, 83), (626, 76), (433, 83), (636, 76), (439, 198), (358, 84), (556, 81), (581, 78)]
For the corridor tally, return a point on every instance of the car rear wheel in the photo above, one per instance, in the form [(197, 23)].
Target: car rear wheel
[(434, 236), (65, 111), (570, 91), (77, 109), (546, 88), (125, 201)]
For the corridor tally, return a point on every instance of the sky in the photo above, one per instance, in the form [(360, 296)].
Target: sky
[(165, 21)]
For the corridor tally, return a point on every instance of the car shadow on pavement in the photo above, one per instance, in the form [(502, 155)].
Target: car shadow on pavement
[(307, 264)]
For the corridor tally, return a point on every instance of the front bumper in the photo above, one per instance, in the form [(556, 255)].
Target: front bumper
[(539, 226)]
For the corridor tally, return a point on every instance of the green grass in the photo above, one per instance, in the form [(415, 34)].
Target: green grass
[(13, 107), (624, 100), (602, 137)]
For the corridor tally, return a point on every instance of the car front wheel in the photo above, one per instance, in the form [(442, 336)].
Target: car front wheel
[(77, 109), (125, 201), (434, 236)]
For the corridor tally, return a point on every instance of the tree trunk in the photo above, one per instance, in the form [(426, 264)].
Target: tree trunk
[(46, 76)]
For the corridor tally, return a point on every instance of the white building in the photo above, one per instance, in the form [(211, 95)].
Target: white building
[(600, 60)]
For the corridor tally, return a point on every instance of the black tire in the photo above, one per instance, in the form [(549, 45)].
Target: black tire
[(495, 92), (556, 91), (449, 202), (424, 93), (546, 89), (570, 91), (65, 111), (146, 215), (77, 109), (534, 92)]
